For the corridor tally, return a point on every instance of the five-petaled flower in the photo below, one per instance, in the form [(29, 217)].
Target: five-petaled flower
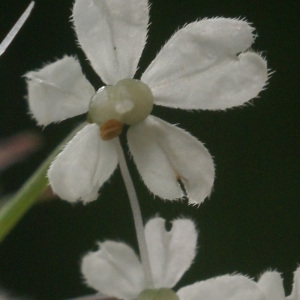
[(115, 270), (205, 65)]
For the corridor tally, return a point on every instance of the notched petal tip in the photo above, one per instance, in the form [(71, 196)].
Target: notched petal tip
[(163, 153), (271, 284), (206, 64), (295, 295), (171, 252)]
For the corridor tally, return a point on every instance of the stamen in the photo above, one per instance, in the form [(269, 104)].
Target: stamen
[(110, 129)]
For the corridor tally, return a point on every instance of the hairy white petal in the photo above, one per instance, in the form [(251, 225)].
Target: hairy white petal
[(114, 270), (199, 68), (295, 295), (112, 33), (83, 166), (271, 284), (58, 91), (165, 153), (227, 287), (206, 42), (170, 252)]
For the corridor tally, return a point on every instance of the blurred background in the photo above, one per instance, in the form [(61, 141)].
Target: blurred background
[(251, 222)]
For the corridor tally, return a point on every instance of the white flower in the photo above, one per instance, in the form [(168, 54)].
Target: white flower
[(115, 270), (271, 284), (205, 65)]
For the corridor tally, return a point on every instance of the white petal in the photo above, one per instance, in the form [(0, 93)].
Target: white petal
[(16, 28), (170, 252), (295, 295), (199, 68), (114, 270), (58, 91), (112, 33), (83, 166), (165, 153), (225, 287), (272, 285)]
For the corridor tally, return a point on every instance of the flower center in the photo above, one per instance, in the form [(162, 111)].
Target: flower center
[(130, 101), (159, 294)]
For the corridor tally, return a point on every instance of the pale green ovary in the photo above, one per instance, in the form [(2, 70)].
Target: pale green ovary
[(130, 101)]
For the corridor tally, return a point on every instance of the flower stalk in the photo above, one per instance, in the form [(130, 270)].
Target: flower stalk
[(137, 216)]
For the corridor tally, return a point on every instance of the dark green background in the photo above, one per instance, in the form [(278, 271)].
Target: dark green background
[(251, 222)]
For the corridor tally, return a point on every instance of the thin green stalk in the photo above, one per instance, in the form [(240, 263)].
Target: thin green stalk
[(14, 209)]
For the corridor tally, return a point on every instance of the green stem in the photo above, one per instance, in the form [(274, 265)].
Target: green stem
[(14, 209)]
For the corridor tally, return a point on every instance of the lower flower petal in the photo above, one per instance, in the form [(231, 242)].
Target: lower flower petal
[(170, 252), (271, 284), (227, 287), (83, 166), (165, 154), (58, 91), (114, 270)]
